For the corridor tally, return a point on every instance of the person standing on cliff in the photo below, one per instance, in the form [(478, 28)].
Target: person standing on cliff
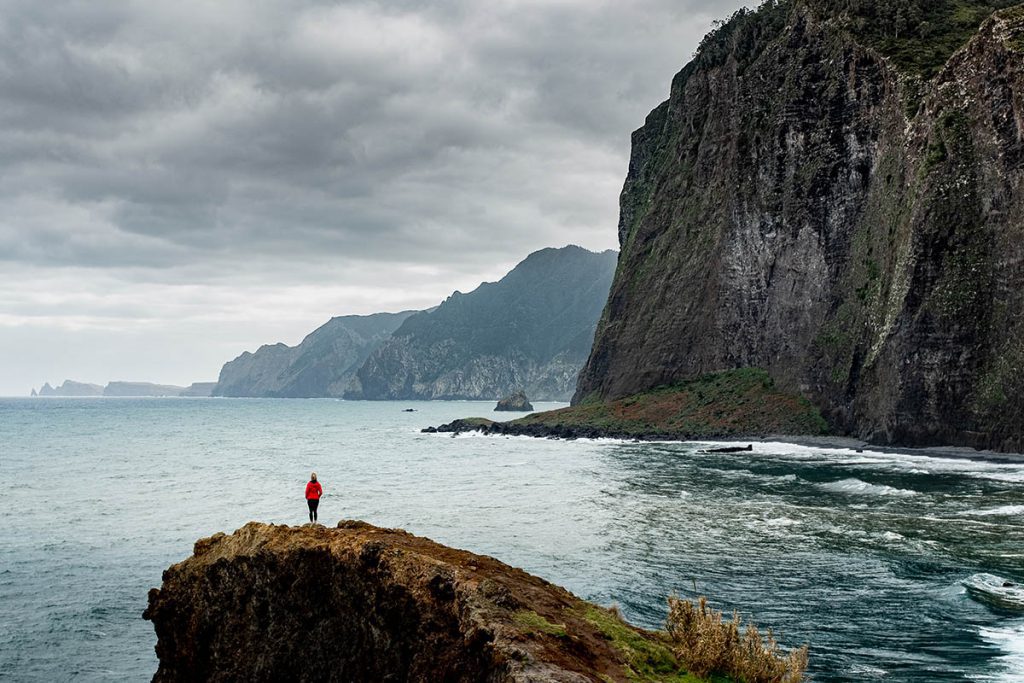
[(313, 493)]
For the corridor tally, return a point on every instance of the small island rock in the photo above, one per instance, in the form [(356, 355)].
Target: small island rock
[(517, 403)]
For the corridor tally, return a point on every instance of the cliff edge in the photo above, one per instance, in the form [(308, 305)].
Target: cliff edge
[(361, 603)]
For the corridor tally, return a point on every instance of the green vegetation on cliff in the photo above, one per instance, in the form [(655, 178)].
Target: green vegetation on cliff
[(648, 656), (722, 404), (918, 35), (732, 403)]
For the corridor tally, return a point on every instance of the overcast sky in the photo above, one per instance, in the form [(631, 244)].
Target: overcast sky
[(182, 181)]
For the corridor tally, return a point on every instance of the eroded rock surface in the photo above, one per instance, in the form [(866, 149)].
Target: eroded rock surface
[(359, 603)]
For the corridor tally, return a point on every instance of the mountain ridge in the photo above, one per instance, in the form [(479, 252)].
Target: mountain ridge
[(320, 366), (530, 330)]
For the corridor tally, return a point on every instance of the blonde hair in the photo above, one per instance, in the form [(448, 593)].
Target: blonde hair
[(312, 477)]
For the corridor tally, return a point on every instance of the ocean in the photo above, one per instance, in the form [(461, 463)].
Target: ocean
[(860, 555)]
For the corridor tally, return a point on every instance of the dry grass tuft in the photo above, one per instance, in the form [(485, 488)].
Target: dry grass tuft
[(707, 644)]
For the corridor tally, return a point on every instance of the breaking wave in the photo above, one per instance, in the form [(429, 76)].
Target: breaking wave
[(1004, 511), (856, 487)]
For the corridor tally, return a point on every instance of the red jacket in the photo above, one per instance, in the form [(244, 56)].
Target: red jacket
[(314, 490)]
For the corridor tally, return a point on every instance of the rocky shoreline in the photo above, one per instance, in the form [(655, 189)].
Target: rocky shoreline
[(722, 405), (556, 431), (570, 433)]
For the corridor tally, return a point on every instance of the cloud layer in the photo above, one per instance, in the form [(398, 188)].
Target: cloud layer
[(230, 173)]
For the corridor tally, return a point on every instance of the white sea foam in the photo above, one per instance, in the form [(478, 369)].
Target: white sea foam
[(856, 487), (781, 521), (1010, 641), (916, 463), (1004, 511), (862, 671)]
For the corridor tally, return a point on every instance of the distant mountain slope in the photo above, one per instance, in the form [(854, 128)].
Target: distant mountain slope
[(321, 366), (532, 330)]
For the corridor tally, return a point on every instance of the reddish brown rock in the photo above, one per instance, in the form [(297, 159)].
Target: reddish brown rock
[(359, 603)]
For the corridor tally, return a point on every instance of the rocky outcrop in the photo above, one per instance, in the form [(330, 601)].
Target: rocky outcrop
[(840, 203), (358, 603), (322, 365), (71, 388), (515, 403), (532, 329)]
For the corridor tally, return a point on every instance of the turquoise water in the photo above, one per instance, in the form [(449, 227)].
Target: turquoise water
[(859, 554)]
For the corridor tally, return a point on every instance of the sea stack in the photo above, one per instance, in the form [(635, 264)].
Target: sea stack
[(515, 403)]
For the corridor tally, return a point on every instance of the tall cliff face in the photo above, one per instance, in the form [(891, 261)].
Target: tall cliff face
[(531, 330), (813, 201), (358, 603), (321, 366)]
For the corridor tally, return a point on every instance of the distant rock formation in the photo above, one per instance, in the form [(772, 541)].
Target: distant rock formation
[(141, 389), (532, 329), (199, 389), (515, 403), (122, 389), (358, 603), (323, 365), (71, 388)]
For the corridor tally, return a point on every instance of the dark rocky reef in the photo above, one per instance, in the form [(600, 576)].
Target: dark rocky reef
[(517, 402), (321, 366), (532, 329), (839, 202), (358, 603)]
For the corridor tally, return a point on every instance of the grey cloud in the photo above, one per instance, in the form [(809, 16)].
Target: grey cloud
[(291, 141)]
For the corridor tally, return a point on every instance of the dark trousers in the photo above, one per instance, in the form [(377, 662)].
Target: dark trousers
[(313, 504)]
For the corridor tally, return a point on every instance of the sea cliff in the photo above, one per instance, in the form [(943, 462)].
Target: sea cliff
[(835, 197)]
